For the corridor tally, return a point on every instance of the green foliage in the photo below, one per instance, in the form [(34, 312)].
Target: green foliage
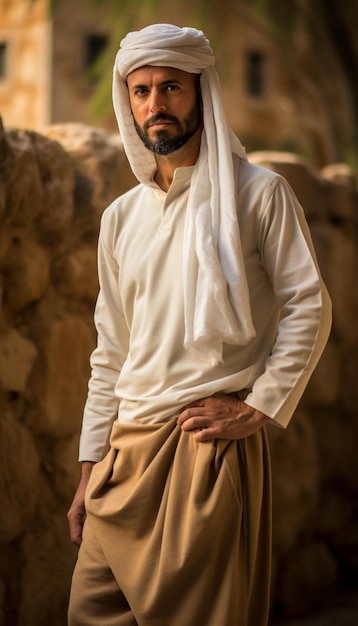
[(52, 5)]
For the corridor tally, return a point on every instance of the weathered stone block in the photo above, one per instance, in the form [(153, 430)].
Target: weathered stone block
[(102, 170), (19, 478), (343, 190), (343, 285), (81, 281), (337, 509), (21, 180), (336, 445), (17, 355), (310, 576), (324, 386), (48, 561), (323, 234), (349, 386), (58, 386), (27, 271), (295, 484), (304, 180)]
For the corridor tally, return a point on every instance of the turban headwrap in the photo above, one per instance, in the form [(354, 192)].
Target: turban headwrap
[(216, 299)]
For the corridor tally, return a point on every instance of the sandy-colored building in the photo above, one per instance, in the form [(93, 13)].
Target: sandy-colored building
[(46, 53)]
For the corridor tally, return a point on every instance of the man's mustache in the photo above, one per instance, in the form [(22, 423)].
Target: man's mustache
[(159, 117)]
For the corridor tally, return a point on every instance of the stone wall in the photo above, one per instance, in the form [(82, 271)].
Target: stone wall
[(53, 190)]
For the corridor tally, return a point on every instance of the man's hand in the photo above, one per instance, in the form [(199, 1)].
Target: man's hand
[(221, 417), (76, 514)]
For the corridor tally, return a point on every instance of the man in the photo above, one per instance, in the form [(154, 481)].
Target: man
[(211, 317)]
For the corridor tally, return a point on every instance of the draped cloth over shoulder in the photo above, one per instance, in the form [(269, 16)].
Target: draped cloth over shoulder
[(216, 299)]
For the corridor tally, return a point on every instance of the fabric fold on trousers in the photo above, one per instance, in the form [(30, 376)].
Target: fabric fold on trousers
[(185, 526)]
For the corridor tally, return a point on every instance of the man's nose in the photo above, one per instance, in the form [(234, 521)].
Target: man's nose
[(157, 102)]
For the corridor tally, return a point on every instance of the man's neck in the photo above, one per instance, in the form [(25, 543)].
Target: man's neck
[(184, 157)]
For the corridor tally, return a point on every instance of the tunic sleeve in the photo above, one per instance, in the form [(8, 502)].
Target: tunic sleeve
[(107, 359), (289, 259)]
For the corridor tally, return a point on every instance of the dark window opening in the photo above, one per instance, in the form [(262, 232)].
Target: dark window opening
[(95, 45), (3, 60), (256, 74)]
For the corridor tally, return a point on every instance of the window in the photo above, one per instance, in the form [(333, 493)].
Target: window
[(94, 46), (3, 60), (256, 86)]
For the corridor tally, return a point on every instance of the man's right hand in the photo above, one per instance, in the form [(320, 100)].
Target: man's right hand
[(77, 512)]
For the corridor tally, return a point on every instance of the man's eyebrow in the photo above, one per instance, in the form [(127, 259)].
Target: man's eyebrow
[(138, 86), (163, 83)]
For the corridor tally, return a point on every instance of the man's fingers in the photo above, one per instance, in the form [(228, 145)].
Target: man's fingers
[(205, 434), (193, 421), (76, 527), (197, 417), (190, 413), (75, 517), (76, 536)]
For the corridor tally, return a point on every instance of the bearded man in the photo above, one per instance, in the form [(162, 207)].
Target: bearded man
[(211, 317)]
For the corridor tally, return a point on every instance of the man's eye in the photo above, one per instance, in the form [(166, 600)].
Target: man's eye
[(140, 92), (172, 87)]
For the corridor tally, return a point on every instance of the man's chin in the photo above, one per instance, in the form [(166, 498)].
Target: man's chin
[(163, 147), (163, 144)]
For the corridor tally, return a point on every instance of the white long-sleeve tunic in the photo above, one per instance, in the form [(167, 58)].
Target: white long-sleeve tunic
[(140, 370)]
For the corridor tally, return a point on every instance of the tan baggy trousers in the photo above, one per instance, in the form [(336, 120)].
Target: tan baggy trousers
[(178, 533)]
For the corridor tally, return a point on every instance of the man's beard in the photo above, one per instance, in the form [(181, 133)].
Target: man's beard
[(163, 144)]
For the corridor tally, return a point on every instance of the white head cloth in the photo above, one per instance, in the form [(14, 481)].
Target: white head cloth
[(216, 299)]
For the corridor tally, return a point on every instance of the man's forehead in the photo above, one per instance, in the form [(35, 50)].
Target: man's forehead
[(158, 71)]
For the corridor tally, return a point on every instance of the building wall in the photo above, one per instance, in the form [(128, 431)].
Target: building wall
[(265, 117), (72, 88), (25, 33)]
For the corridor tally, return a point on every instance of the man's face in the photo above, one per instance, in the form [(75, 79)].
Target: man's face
[(166, 107)]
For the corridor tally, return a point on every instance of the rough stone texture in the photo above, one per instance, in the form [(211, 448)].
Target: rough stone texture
[(19, 478), (17, 355), (51, 200), (310, 577), (53, 190), (314, 461)]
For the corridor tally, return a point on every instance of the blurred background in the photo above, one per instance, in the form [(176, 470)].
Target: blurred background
[(288, 70)]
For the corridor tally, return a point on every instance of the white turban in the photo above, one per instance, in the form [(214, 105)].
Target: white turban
[(216, 299)]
